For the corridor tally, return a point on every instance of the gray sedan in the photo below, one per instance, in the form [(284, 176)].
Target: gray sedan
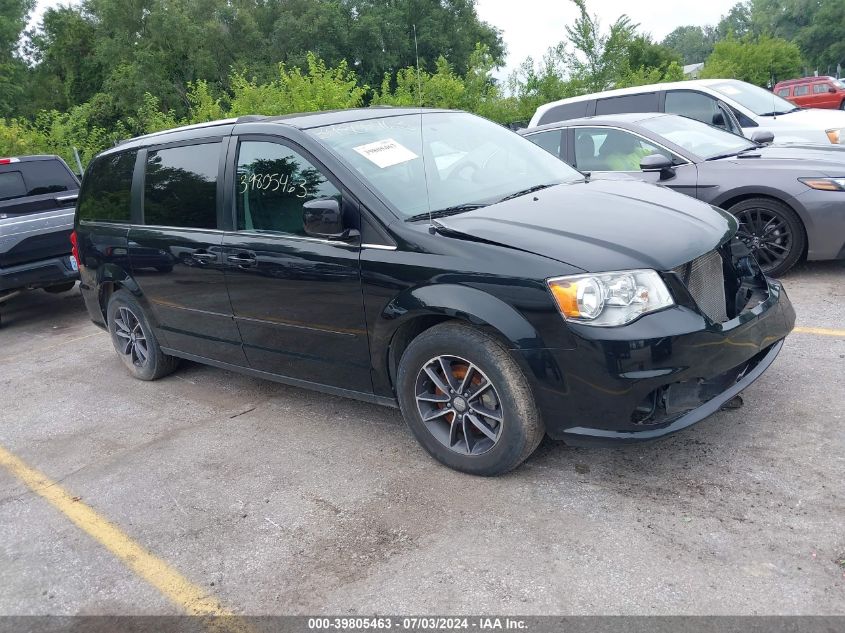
[(789, 199)]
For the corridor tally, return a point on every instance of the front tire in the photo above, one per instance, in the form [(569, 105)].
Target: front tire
[(134, 340), (467, 401), (773, 232)]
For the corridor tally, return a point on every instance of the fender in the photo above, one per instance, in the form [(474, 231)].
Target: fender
[(766, 192), (487, 312)]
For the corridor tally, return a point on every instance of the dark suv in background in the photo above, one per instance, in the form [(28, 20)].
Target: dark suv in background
[(37, 199), (428, 259)]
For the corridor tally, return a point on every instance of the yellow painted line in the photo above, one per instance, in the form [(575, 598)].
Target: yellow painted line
[(192, 598), (823, 331), (34, 352)]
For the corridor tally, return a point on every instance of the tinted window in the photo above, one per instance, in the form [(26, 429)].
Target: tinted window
[(820, 88), (273, 183), (106, 188), (549, 141), (695, 105), (564, 112), (38, 177), (608, 149), (11, 185), (180, 186), (646, 102), (802, 90)]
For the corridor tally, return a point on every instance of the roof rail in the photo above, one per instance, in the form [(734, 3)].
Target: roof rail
[(249, 118)]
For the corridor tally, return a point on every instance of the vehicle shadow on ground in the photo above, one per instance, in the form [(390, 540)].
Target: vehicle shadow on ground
[(38, 309)]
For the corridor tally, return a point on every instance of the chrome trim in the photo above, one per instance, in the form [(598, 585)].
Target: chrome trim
[(379, 247), (73, 196)]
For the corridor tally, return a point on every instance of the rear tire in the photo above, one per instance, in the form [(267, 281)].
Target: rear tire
[(461, 420), (134, 341), (773, 231)]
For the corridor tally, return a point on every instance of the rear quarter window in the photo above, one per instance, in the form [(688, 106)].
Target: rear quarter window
[(11, 185), (783, 92), (645, 102), (106, 193), (565, 112)]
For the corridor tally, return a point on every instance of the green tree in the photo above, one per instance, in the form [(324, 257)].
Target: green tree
[(755, 60), (13, 17), (693, 43)]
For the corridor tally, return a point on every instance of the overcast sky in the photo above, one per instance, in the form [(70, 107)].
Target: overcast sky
[(530, 27)]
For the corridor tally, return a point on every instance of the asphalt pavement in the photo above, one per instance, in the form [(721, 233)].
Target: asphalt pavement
[(212, 490)]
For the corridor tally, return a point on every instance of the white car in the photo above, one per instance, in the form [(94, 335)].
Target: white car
[(734, 105)]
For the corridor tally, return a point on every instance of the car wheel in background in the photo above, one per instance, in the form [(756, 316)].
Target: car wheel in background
[(134, 341), (467, 401), (773, 231)]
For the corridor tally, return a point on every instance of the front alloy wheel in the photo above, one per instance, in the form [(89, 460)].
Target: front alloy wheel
[(467, 401), (772, 231), (459, 405)]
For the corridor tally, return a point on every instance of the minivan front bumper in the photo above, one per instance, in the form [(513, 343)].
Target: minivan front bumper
[(656, 376)]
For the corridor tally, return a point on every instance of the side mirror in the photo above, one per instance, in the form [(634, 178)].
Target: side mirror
[(658, 162), (832, 90), (323, 218), (763, 137)]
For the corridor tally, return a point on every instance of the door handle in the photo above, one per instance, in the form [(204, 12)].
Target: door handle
[(242, 260), (205, 257)]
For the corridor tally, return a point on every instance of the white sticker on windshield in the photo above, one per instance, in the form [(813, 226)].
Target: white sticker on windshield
[(386, 153)]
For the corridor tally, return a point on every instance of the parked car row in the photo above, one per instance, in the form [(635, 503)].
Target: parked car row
[(437, 262)]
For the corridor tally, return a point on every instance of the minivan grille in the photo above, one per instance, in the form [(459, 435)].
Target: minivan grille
[(705, 279)]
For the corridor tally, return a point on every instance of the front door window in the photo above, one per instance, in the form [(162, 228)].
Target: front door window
[(609, 149), (273, 182)]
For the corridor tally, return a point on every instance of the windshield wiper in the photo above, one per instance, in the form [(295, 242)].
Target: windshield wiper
[(780, 113), (732, 154), (526, 191), (442, 213)]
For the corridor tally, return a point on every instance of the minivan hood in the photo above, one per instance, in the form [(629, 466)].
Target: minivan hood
[(601, 225)]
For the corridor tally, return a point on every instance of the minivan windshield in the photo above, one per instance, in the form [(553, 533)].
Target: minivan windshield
[(761, 102), (699, 138), (441, 163)]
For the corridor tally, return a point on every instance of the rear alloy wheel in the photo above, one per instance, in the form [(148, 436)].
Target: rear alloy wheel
[(772, 231), (134, 341), (467, 401)]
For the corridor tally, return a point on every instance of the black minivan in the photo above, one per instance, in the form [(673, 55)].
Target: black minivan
[(428, 259)]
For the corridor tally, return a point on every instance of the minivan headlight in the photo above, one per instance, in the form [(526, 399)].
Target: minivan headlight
[(609, 299)]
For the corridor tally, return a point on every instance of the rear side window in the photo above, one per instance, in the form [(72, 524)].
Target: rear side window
[(783, 92), (11, 185), (646, 102), (180, 186), (802, 90), (820, 88), (565, 112), (106, 189), (35, 178)]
